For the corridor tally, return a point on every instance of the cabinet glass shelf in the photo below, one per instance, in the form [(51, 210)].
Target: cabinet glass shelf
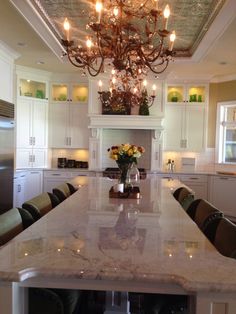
[(33, 89)]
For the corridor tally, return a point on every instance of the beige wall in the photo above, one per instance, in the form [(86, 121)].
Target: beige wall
[(218, 92)]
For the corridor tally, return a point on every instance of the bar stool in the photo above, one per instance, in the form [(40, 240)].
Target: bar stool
[(13, 222), (202, 212), (41, 300), (63, 191), (184, 196), (41, 204), (222, 233)]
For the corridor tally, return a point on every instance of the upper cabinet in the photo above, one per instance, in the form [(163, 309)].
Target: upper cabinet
[(182, 93), (31, 118), (185, 117), (69, 92), (33, 89), (68, 115), (7, 67)]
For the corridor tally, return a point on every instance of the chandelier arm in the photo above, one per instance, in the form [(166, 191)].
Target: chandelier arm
[(73, 63), (162, 70)]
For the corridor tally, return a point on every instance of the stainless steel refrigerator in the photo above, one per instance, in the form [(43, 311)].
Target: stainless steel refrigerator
[(6, 155)]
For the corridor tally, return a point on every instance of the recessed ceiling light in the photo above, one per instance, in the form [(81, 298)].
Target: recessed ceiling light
[(222, 62), (21, 44), (40, 62)]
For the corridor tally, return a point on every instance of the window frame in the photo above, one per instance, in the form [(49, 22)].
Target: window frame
[(221, 126)]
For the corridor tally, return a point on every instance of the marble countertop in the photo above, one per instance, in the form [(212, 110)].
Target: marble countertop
[(93, 241)]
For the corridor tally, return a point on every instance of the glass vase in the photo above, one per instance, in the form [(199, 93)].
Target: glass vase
[(124, 168), (133, 175)]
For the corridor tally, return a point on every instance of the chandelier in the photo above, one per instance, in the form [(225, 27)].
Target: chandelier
[(129, 35), (124, 93)]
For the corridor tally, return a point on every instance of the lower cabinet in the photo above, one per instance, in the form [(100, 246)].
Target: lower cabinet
[(19, 189), (197, 183), (223, 194), (33, 184), (27, 184), (53, 178)]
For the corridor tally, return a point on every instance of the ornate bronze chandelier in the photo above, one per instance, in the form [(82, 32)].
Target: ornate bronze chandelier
[(129, 35)]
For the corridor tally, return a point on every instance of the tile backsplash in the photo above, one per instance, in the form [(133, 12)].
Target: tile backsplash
[(76, 154)]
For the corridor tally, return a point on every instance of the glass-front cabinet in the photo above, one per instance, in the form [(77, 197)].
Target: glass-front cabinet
[(69, 92), (186, 93), (226, 132), (32, 88)]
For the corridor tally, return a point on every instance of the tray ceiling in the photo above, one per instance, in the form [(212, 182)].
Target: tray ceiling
[(189, 18)]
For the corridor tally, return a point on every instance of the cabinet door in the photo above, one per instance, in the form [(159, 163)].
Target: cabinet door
[(23, 125), (58, 121), (39, 158), (173, 127), (195, 127), (33, 184), (24, 158), (39, 123), (78, 125), (199, 188), (19, 191), (223, 194)]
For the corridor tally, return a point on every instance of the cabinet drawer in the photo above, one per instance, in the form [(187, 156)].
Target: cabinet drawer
[(193, 178), (56, 174)]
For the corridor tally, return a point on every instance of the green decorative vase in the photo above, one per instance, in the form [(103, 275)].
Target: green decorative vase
[(144, 110)]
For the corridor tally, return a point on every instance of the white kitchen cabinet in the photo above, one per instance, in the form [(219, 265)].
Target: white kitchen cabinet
[(184, 127), (181, 93), (52, 178), (6, 74), (33, 184), (31, 132), (68, 118), (222, 194), (32, 122), (197, 183), (69, 92), (68, 125), (19, 189), (185, 116), (31, 158)]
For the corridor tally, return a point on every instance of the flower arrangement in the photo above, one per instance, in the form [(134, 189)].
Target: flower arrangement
[(125, 153)]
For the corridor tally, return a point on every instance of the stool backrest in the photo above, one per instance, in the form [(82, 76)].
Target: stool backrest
[(203, 212), (184, 196), (225, 238), (40, 205), (62, 191), (10, 225)]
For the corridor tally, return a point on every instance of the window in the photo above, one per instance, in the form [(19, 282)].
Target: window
[(226, 132)]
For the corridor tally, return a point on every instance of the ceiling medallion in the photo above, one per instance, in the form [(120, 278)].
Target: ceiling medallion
[(129, 35)]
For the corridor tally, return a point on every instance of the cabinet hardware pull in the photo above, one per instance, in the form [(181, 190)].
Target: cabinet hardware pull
[(94, 154), (55, 174), (224, 178), (193, 178)]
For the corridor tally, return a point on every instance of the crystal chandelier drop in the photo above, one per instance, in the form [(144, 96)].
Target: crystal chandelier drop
[(131, 36)]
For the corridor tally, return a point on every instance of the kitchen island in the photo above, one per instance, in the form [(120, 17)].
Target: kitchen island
[(91, 241)]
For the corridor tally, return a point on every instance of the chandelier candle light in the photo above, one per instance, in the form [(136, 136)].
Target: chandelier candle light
[(130, 36)]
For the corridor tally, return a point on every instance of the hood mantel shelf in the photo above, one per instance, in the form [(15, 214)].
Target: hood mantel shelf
[(126, 122)]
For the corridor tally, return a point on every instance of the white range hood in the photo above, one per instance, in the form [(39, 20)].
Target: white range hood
[(99, 123), (126, 122)]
